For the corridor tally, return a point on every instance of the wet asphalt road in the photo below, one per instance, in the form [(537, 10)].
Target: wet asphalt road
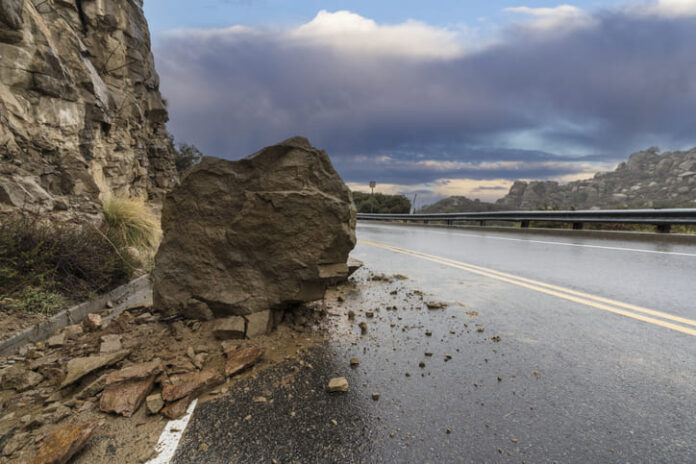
[(565, 381)]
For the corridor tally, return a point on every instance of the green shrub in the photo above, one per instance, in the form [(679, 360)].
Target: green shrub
[(48, 261)]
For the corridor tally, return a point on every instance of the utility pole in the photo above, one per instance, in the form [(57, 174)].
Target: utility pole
[(413, 205), (373, 184)]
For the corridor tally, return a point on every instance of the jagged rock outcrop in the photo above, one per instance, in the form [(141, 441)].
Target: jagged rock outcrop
[(80, 110), (648, 179), (246, 236)]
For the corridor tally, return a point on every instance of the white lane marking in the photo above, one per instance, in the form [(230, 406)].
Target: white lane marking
[(495, 237), (171, 435)]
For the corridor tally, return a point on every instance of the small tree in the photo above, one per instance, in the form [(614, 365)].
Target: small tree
[(186, 156)]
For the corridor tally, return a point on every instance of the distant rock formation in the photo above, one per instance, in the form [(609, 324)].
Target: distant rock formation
[(458, 204), (246, 236), (81, 114), (647, 180)]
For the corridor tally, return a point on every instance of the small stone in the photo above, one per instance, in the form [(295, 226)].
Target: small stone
[(259, 399), (479, 329), (229, 328), (73, 331), (370, 314), (176, 409), (260, 323), (448, 431), (435, 305), (334, 422), (496, 338), (448, 357), (428, 333), (191, 353), (363, 327), (248, 418), (338, 384), (351, 315), (354, 362), (428, 353), (154, 403), (514, 440), (109, 304), (92, 322), (500, 379), (375, 396), (421, 364), (19, 379), (56, 340), (110, 344)]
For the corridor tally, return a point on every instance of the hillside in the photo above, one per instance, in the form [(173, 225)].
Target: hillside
[(458, 204), (649, 179)]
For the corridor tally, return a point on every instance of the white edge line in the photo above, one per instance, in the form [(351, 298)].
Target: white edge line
[(495, 237), (171, 436)]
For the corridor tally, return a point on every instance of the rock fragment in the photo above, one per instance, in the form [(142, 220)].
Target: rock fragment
[(260, 323), (56, 340), (229, 328), (19, 379), (154, 403), (92, 322), (363, 327), (63, 444), (126, 389), (354, 362), (110, 344), (238, 360), (338, 384), (176, 409), (79, 367), (435, 305), (191, 385)]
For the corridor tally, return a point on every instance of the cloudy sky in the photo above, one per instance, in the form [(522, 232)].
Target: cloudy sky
[(445, 97)]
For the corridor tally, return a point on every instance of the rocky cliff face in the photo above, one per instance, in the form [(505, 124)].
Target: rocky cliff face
[(647, 180), (81, 115)]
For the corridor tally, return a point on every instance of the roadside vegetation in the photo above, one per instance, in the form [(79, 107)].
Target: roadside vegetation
[(384, 204), (45, 267)]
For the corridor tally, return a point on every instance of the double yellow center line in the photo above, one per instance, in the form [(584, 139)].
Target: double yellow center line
[(680, 324)]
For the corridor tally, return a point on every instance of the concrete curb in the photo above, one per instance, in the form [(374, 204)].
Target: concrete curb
[(135, 293)]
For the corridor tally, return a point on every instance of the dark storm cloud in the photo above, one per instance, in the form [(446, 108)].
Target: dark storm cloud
[(623, 83)]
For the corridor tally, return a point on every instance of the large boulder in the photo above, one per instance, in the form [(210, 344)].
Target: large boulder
[(255, 234)]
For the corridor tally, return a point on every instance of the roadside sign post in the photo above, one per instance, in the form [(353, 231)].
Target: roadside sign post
[(373, 184)]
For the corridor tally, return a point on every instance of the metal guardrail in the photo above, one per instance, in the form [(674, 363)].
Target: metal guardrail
[(663, 219)]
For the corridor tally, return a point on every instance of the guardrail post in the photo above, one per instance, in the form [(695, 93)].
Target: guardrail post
[(449, 222), (524, 224), (482, 223), (664, 228), (577, 225)]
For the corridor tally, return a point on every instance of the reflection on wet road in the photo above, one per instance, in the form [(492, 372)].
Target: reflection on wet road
[(508, 373)]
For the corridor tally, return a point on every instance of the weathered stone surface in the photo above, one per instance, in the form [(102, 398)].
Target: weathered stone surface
[(81, 115), (56, 340), (154, 403), (125, 397), (260, 323), (19, 379), (238, 360), (338, 384), (62, 445), (136, 372), (244, 236), (177, 408), (127, 388), (92, 322), (79, 367), (110, 344), (229, 328), (191, 385), (353, 265), (73, 331), (93, 388)]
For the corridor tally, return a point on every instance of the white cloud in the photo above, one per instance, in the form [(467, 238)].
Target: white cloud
[(666, 8), (347, 31), (562, 17)]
